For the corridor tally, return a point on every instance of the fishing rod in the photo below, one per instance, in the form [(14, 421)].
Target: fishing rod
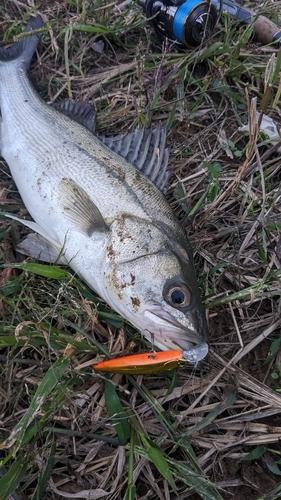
[(191, 23)]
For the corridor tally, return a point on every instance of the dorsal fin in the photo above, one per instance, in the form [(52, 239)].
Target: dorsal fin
[(144, 148), (81, 112)]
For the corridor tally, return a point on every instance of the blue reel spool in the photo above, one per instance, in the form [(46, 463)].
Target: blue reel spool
[(194, 22)]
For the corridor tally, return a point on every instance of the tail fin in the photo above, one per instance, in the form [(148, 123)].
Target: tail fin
[(25, 48)]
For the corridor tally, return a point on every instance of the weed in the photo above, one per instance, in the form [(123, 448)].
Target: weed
[(68, 432)]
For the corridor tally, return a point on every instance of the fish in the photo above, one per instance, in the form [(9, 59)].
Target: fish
[(98, 206)]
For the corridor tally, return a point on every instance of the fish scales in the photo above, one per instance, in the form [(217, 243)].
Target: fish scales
[(73, 153), (98, 213)]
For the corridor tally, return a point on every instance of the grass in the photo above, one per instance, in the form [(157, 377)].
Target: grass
[(69, 433)]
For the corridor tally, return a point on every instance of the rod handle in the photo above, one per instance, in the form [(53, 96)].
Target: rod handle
[(265, 31)]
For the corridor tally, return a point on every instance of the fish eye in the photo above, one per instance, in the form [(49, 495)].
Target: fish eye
[(178, 295)]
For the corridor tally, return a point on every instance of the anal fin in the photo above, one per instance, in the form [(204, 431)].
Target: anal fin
[(39, 244), (37, 247)]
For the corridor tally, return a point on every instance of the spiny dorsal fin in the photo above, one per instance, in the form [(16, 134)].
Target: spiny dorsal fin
[(79, 209), (81, 112), (144, 148)]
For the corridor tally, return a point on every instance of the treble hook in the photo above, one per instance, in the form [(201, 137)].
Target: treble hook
[(152, 353)]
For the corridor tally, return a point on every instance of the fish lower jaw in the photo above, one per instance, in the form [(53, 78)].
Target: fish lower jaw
[(168, 336)]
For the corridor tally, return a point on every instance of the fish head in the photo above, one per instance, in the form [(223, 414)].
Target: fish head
[(157, 290), (173, 309)]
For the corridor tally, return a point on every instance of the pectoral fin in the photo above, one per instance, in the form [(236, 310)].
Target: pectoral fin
[(79, 209)]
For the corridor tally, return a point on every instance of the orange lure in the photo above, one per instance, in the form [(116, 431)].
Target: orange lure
[(142, 364)]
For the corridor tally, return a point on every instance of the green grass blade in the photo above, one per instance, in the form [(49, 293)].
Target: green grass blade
[(10, 481), (272, 464), (116, 412), (44, 389), (229, 401), (44, 270), (272, 495), (157, 457), (200, 483), (193, 473), (255, 453), (131, 490), (45, 475), (90, 435)]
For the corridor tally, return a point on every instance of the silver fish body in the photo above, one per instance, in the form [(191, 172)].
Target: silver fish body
[(96, 212)]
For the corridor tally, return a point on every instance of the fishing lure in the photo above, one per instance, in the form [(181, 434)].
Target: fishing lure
[(142, 364)]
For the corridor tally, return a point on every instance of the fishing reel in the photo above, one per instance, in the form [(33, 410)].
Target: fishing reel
[(192, 22), (185, 22)]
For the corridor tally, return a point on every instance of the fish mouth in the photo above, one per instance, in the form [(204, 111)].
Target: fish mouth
[(169, 334)]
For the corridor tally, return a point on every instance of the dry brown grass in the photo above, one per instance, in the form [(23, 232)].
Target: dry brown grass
[(225, 189)]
